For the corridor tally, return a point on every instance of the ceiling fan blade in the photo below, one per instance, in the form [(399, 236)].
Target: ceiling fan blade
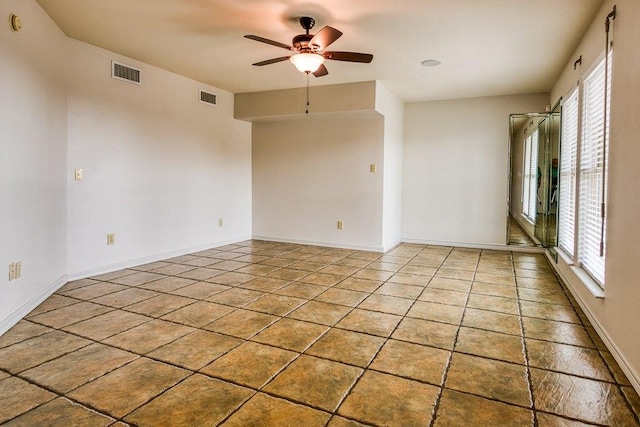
[(267, 41), (349, 56), (324, 38), (271, 61), (321, 71)]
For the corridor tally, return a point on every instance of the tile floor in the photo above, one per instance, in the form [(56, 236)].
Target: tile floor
[(262, 333), (517, 236)]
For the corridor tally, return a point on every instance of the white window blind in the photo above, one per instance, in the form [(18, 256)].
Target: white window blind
[(526, 176), (533, 182), (592, 173), (568, 165)]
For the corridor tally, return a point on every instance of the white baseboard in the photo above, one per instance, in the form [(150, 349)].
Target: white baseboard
[(511, 248), (8, 322), (94, 271), (632, 374), (320, 243)]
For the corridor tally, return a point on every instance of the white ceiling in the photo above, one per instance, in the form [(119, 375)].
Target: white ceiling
[(487, 47)]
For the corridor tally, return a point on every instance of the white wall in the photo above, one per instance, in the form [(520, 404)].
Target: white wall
[(160, 168), (33, 138), (454, 187), (393, 111), (617, 314), (312, 171)]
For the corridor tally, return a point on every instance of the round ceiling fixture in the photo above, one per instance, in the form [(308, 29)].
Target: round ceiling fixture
[(16, 22), (430, 63)]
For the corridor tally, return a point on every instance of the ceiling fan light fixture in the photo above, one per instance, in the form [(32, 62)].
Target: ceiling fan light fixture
[(307, 62)]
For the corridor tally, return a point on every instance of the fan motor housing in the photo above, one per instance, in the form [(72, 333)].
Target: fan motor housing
[(301, 41)]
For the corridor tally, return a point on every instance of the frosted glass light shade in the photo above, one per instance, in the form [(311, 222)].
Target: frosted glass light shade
[(307, 62)]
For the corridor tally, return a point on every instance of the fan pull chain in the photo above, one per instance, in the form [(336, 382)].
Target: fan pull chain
[(307, 110)]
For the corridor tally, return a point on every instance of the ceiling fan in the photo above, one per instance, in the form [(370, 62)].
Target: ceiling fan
[(309, 50)]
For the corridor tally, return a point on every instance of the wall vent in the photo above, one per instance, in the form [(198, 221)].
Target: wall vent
[(208, 98), (125, 72)]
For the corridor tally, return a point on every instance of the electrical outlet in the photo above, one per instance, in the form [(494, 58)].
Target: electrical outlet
[(12, 271), (111, 239), (220, 222), (372, 168), (79, 175), (18, 269), (340, 225)]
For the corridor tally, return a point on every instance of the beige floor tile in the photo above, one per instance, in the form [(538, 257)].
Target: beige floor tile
[(618, 373), (372, 274), (450, 273), (266, 411), (278, 305), (386, 304), (353, 262), (202, 261), (560, 332), (291, 334), (399, 290), (316, 382), (580, 398), (200, 290), (320, 312), (494, 379), (426, 332), (265, 284), (444, 297), (548, 420), (195, 350), (108, 324), (21, 331), (230, 265), (458, 265), (494, 290), (560, 313), (349, 347), (79, 283), (337, 421), (362, 285), (492, 321), (278, 262), (167, 284), (198, 314), (123, 390), (257, 269), (413, 361), (342, 296), (308, 266), (323, 279), (340, 270), (201, 274), (288, 274), (215, 399), (232, 278), (370, 322), (18, 396), (568, 359), (53, 302), (456, 409), (242, 323), (418, 269), (61, 412), (126, 297), (383, 399), (499, 304), (70, 314), (489, 344), (236, 297), (136, 279), (633, 398), (147, 337), (113, 275), (410, 279), (250, 364), (495, 279), (160, 305), (450, 284), (79, 367), (301, 290), (34, 351), (436, 312)]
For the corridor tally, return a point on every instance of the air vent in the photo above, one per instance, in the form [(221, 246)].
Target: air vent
[(208, 98), (125, 72)]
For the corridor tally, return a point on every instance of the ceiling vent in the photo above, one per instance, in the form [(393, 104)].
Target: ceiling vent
[(208, 98), (125, 72)]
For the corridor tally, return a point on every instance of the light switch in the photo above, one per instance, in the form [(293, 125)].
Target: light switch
[(372, 168), (79, 175), (340, 225)]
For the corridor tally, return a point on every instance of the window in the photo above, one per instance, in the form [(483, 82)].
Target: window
[(591, 236), (530, 181), (568, 172), (583, 171)]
